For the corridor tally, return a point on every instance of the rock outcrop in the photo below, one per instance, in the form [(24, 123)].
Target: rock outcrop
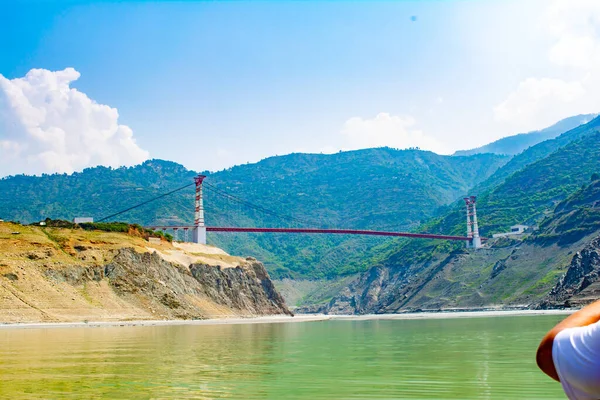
[(383, 289), (54, 274), (170, 290), (247, 287), (580, 285)]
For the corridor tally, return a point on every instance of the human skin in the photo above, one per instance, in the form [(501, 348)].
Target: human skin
[(586, 316)]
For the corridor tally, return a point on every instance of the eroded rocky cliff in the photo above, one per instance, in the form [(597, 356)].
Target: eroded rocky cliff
[(62, 275), (168, 290)]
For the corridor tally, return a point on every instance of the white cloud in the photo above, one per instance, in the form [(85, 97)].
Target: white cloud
[(540, 102), (574, 28), (575, 24), (47, 126), (387, 130), (574, 51)]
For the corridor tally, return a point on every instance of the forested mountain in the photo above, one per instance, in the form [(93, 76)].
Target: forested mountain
[(537, 152), (371, 189), (409, 274), (99, 192), (524, 196), (513, 145), (374, 188), (508, 272), (575, 217)]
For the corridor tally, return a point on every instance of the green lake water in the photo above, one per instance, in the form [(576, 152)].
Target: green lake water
[(475, 358)]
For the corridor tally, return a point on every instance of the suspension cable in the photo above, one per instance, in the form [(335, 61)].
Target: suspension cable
[(246, 203), (145, 202), (253, 206)]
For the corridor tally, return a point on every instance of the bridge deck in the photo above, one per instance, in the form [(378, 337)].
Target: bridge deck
[(322, 231)]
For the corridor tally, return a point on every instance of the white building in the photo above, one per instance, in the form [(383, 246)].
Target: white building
[(514, 230), (82, 220)]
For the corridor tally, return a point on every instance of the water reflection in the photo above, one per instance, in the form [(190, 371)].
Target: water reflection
[(482, 358)]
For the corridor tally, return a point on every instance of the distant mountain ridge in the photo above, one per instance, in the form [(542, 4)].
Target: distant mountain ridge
[(512, 145)]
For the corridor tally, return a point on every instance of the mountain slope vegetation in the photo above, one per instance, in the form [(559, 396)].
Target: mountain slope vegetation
[(374, 188), (367, 189), (536, 153), (433, 274), (524, 197)]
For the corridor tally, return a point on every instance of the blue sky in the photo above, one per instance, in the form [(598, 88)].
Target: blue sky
[(213, 84)]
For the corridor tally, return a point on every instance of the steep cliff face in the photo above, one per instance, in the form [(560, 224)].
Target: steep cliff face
[(364, 295), (390, 289), (171, 291), (247, 288), (76, 278), (581, 283)]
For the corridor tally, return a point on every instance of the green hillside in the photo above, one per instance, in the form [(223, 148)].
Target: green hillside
[(537, 152), (372, 189), (375, 188), (525, 196), (554, 192), (99, 192), (528, 194), (575, 217)]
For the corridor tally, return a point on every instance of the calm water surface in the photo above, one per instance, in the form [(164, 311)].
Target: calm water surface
[(478, 358)]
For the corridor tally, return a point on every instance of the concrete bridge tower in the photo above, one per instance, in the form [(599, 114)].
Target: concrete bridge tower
[(472, 225), (199, 233)]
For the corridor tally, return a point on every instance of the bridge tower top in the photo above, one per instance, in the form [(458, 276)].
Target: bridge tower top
[(199, 179), (199, 211)]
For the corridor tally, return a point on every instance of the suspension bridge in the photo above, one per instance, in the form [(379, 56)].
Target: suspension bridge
[(199, 229)]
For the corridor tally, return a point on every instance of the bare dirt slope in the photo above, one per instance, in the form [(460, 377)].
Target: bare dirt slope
[(56, 274)]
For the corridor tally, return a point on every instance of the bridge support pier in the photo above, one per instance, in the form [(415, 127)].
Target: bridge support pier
[(472, 225), (474, 244), (199, 234)]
